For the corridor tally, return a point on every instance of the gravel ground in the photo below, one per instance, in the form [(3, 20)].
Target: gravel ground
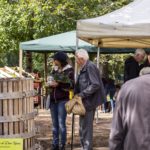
[(44, 128)]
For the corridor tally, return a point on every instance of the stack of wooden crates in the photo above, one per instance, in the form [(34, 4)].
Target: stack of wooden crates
[(17, 110)]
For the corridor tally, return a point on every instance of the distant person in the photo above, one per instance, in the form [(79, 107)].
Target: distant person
[(104, 105), (90, 88), (147, 62), (37, 86), (132, 65), (131, 121), (111, 89)]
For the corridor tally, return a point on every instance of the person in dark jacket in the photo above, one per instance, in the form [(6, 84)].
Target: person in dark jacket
[(104, 105), (132, 66), (62, 80), (147, 62), (131, 121), (90, 88), (111, 89)]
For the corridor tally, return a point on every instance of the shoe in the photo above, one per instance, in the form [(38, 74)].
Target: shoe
[(62, 147), (55, 147)]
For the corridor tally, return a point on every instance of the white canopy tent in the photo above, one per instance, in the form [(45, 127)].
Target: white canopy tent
[(128, 27)]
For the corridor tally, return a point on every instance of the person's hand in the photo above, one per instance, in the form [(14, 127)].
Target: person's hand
[(53, 84)]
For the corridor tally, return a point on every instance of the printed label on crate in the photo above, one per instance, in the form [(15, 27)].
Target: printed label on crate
[(11, 144)]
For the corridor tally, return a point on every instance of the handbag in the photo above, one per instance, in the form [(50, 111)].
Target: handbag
[(75, 106)]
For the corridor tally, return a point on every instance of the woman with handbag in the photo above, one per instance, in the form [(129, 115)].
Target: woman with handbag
[(62, 83)]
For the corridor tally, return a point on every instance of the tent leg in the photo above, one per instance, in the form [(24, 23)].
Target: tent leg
[(20, 61), (45, 71), (45, 76), (75, 76), (98, 55), (76, 66), (72, 134)]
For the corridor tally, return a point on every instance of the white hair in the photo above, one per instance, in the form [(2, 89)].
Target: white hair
[(145, 70), (82, 53), (140, 51)]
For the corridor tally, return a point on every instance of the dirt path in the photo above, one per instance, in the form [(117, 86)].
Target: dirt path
[(44, 128)]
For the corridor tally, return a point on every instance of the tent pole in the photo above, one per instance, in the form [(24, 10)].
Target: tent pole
[(75, 76), (98, 55), (45, 60), (20, 62), (76, 67)]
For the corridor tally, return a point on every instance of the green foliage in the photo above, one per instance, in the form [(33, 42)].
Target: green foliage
[(23, 20), (113, 65)]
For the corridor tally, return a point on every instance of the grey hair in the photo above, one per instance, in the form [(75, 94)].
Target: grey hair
[(140, 51), (82, 53), (145, 70)]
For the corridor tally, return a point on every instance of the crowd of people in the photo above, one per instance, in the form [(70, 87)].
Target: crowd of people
[(130, 126)]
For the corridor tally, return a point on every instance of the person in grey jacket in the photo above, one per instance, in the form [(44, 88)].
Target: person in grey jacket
[(131, 121), (90, 88)]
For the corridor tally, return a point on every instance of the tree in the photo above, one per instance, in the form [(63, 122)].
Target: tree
[(23, 20)]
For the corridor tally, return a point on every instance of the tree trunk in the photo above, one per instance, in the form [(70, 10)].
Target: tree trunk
[(29, 62)]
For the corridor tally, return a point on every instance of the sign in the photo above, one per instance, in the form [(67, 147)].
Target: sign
[(11, 144)]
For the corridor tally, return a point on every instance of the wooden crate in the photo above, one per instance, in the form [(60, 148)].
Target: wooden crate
[(17, 110)]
